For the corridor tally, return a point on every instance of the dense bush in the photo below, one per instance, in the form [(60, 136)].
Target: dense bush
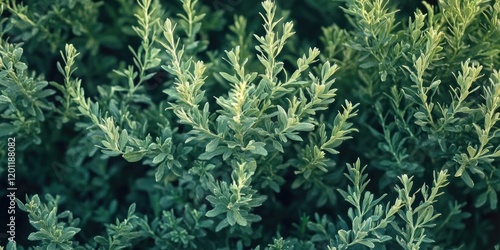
[(204, 125)]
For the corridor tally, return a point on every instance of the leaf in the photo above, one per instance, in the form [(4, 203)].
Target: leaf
[(52, 246), (159, 158), (282, 117), (101, 240), (278, 146), (159, 172), (369, 64), (229, 78), (481, 199), (131, 210), (122, 142), (230, 218), (259, 150), (7, 129), (209, 155), (221, 225), (212, 213), (12, 245), (134, 156), (110, 153), (37, 236), (4, 99), (492, 196), (51, 219), (293, 137), (239, 219), (420, 116), (367, 243), (68, 233), (343, 235), (212, 145), (466, 178), (21, 205), (304, 126), (18, 52)]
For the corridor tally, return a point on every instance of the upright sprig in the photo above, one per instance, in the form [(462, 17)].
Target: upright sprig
[(375, 24), (271, 45), (459, 15), (418, 90), (241, 37), (181, 232), (188, 80), (121, 234), (44, 25), (147, 55), (418, 219), (369, 217), (242, 88), (313, 159), (236, 200), (191, 22), (54, 230), (468, 76), (480, 158), (23, 96), (188, 83), (114, 141), (117, 129)]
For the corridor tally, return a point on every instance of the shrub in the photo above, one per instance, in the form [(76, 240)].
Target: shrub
[(176, 126)]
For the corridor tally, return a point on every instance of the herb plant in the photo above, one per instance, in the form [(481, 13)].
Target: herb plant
[(220, 125)]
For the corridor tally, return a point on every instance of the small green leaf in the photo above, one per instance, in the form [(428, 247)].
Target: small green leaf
[(293, 137), (223, 224), (18, 52), (239, 219), (212, 145), (466, 178), (131, 210), (159, 158), (209, 155), (343, 235), (159, 172), (7, 129), (259, 150), (101, 240), (367, 243), (68, 233), (471, 151), (11, 245), (134, 156), (51, 219), (278, 146), (304, 126), (282, 117), (420, 116), (230, 218), (4, 99), (481, 199), (21, 205), (212, 213), (52, 246), (229, 78), (37, 236), (122, 142), (492, 196)]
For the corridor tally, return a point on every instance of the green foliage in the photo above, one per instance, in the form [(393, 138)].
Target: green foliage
[(52, 231), (204, 125), (23, 98)]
